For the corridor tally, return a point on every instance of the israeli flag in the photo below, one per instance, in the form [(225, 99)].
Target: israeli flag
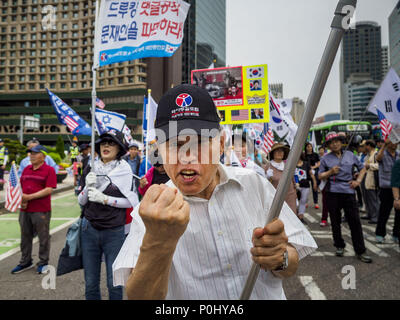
[(109, 120)]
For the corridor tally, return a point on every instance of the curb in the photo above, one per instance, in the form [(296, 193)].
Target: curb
[(58, 190)]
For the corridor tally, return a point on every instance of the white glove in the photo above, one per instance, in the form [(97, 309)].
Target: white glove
[(91, 179), (96, 196), (270, 173)]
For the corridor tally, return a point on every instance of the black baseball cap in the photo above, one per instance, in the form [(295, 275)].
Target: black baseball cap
[(38, 148), (84, 146), (189, 107), (116, 136)]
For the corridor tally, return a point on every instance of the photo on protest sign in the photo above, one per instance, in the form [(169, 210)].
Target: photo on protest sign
[(221, 114), (223, 84), (257, 113), (255, 85)]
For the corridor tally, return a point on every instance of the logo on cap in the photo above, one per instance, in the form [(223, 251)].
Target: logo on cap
[(184, 100)]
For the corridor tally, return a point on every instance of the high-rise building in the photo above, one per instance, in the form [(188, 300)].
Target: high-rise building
[(361, 54), (204, 41), (359, 89), (385, 61), (297, 109), (276, 89), (37, 53), (394, 38)]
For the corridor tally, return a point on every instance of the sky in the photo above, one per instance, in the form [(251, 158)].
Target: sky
[(290, 36)]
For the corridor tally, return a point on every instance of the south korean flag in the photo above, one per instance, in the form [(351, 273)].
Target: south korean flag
[(253, 73), (301, 174), (170, 49)]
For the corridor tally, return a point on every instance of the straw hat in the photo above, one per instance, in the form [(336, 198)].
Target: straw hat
[(279, 145)]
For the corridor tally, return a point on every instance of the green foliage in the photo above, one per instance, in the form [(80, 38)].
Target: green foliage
[(60, 147), (50, 149), (16, 151), (56, 157)]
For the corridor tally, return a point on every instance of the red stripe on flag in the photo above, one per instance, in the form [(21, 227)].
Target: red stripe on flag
[(13, 191), (71, 124)]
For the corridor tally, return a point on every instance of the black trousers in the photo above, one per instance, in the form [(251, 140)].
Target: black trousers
[(386, 197), (347, 202), (31, 223), (315, 193), (359, 197)]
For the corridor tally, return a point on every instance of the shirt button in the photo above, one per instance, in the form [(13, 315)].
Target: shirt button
[(220, 233)]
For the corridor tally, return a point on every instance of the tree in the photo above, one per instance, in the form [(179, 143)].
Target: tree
[(16, 151), (60, 147)]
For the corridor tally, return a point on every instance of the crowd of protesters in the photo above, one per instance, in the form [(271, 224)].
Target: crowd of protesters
[(362, 178), (357, 179)]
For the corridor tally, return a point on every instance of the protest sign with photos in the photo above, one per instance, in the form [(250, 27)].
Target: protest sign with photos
[(240, 93)]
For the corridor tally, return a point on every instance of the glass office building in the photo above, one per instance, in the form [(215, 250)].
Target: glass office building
[(361, 67), (205, 36)]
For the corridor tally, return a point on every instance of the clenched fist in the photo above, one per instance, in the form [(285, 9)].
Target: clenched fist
[(165, 215)]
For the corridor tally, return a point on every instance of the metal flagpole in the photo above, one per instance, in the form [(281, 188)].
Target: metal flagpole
[(147, 127), (94, 72), (340, 24)]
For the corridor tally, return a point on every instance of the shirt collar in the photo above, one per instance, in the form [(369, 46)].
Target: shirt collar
[(227, 175)]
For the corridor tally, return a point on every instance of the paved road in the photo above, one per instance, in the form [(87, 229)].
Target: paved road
[(28, 285), (319, 276)]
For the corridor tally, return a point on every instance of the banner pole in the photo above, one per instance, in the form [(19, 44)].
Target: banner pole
[(339, 25), (147, 127), (94, 74)]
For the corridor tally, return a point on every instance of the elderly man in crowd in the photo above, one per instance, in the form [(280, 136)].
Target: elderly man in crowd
[(37, 182), (196, 236), (26, 161)]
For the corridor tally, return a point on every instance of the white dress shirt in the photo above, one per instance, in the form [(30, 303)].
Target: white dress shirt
[(212, 258)]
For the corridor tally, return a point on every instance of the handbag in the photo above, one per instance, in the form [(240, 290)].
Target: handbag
[(71, 255)]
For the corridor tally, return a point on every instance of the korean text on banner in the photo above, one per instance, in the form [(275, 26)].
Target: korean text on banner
[(137, 29)]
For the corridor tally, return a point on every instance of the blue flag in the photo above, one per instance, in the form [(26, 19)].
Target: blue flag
[(108, 120), (144, 123), (67, 116)]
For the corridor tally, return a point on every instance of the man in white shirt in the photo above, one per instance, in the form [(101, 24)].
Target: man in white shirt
[(208, 257)]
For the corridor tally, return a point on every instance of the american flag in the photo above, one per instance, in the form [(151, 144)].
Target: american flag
[(237, 115), (386, 126), (13, 192), (71, 123), (268, 141), (100, 103)]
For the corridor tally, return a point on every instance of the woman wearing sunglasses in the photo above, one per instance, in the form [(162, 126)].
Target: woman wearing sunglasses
[(108, 189)]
